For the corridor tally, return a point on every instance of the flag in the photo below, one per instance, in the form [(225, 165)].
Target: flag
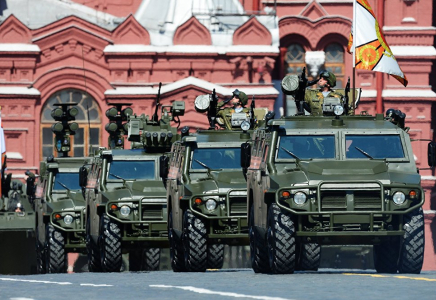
[(372, 52)]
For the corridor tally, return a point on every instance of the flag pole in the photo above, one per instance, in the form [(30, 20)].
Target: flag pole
[(353, 30), (379, 75)]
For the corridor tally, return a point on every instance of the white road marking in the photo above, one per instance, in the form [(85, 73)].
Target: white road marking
[(20, 298), (91, 284), (35, 281), (210, 292), (50, 282)]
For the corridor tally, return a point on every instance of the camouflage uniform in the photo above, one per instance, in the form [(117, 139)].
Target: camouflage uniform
[(315, 99), (226, 115)]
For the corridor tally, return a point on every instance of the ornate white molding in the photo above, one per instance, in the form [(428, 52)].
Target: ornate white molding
[(314, 60)]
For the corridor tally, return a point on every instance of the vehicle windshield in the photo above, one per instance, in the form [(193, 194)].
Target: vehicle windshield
[(375, 146), (306, 146), (69, 180), (132, 169), (216, 158)]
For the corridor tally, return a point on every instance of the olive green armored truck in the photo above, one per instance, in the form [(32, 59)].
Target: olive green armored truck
[(126, 210), (17, 226), (206, 192), (60, 208), (59, 200), (334, 179)]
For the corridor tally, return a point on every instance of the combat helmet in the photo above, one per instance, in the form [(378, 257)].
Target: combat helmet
[(241, 96), (329, 76)]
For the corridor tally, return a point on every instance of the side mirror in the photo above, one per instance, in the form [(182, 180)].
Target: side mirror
[(245, 155), (83, 176), (163, 166), (431, 153), (30, 188)]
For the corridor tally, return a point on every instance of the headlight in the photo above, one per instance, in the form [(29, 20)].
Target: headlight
[(68, 219), (338, 110), (399, 198), (210, 204), (300, 198), (245, 125), (125, 210)]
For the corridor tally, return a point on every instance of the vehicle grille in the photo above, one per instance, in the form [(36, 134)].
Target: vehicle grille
[(152, 212), (238, 206), (364, 200)]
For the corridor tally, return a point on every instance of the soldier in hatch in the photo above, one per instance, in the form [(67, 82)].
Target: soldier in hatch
[(238, 102), (315, 98)]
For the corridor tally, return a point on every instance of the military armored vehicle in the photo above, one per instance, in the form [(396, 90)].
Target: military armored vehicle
[(126, 200), (206, 192), (334, 179), (17, 226), (59, 201)]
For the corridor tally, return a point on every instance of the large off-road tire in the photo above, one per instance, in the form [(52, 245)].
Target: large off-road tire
[(281, 241), (40, 253), (110, 245), (194, 242), (386, 256), (176, 248), (412, 247), (215, 256), (144, 259), (55, 255), (152, 259), (93, 253), (310, 257), (258, 248)]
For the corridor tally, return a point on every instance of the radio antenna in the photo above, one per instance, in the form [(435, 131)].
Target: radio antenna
[(87, 105)]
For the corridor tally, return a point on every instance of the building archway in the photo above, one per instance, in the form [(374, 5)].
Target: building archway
[(88, 118)]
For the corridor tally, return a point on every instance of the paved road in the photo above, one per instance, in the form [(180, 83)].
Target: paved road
[(224, 284)]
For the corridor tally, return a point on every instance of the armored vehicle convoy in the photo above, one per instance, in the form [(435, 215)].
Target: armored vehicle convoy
[(334, 180), (126, 200), (59, 201), (206, 193)]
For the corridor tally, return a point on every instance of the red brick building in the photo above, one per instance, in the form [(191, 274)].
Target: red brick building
[(102, 51)]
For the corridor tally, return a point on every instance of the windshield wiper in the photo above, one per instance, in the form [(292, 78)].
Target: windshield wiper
[(201, 164), (116, 176), (290, 153), (364, 153), (63, 185)]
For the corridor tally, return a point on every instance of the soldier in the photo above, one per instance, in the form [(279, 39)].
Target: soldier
[(238, 102), (315, 98)]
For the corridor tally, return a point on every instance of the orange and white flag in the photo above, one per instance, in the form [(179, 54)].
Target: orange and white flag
[(371, 50)]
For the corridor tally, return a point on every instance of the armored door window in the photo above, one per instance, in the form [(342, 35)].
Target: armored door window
[(132, 170), (306, 147), (88, 118), (373, 146), (66, 181), (216, 158)]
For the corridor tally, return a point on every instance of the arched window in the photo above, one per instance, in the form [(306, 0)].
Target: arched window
[(294, 59), (88, 133), (334, 62)]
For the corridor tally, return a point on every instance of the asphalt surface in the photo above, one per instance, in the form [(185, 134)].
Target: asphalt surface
[(222, 284)]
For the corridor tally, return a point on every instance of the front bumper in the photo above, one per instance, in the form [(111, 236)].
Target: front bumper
[(349, 208), (147, 221), (229, 219)]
